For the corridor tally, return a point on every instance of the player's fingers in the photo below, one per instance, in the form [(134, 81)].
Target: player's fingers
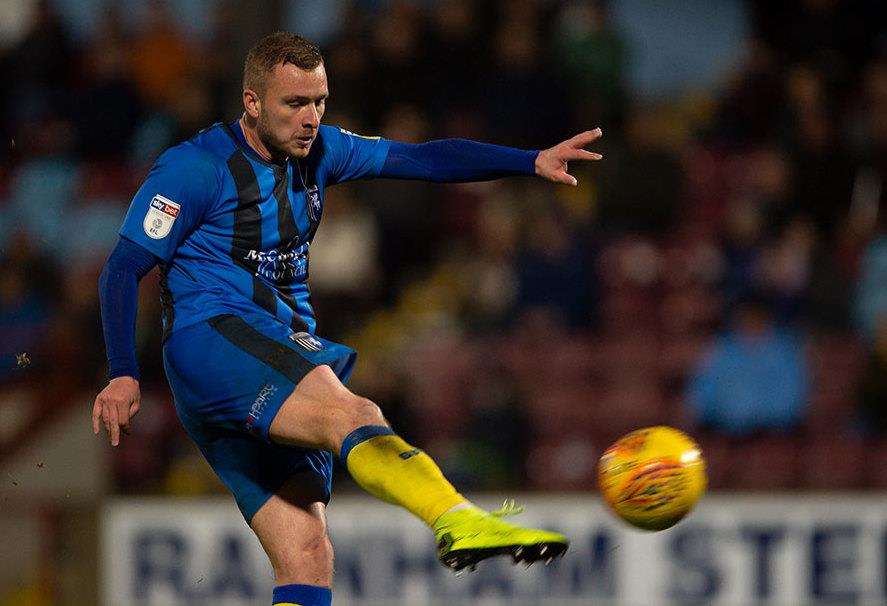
[(123, 414), (106, 415), (584, 138), (134, 409), (115, 427), (584, 154), (96, 415), (565, 178)]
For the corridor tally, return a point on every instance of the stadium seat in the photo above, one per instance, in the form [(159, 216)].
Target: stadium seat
[(835, 462), (571, 408), (626, 406), (765, 463), (835, 364), (829, 412), (720, 464), (107, 180), (876, 463), (631, 357)]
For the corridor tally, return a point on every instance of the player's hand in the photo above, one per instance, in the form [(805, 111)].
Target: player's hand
[(551, 163), (115, 406)]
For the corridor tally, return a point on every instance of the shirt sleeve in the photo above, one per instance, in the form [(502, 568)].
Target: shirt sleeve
[(118, 295), (349, 157), (181, 186), (456, 161)]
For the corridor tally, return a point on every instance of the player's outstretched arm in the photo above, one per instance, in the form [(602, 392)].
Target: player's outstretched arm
[(463, 160), (552, 163)]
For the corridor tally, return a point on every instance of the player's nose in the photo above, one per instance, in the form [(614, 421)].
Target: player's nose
[(311, 118)]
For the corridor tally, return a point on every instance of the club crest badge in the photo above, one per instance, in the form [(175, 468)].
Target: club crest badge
[(312, 199), (162, 213), (306, 341)]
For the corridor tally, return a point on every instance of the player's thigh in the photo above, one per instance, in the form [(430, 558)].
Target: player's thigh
[(321, 411), (236, 372), (292, 528)]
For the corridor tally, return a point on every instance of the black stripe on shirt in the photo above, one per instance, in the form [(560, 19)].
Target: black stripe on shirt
[(286, 221), (278, 356), (247, 235)]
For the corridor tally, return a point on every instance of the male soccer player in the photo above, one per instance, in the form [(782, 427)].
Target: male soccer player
[(229, 216)]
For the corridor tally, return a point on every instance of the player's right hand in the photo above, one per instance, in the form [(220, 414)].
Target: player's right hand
[(115, 406)]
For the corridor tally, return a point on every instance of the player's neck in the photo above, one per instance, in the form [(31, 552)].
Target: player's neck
[(255, 142)]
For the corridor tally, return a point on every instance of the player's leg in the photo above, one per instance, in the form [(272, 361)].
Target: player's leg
[(321, 412), (291, 526), (224, 395)]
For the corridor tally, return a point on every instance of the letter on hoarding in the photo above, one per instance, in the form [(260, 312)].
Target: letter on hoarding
[(834, 555), (695, 573), (762, 541)]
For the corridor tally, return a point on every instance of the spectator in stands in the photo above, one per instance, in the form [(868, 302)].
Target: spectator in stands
[(753, 380), (553, 268), (40, 67), (871, 296), (594, 57), (786, 266), (642, 186), (108, 108), (523, 100), (163, 57)]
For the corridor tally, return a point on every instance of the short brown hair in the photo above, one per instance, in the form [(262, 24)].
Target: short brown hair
[(279, 47)]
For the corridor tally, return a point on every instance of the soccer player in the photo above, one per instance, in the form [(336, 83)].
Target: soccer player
[(229, 216)]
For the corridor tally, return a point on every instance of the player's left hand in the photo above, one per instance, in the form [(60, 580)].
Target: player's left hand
[(551, 163)]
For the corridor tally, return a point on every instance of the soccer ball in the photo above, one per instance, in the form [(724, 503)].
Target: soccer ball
[(652, 477)]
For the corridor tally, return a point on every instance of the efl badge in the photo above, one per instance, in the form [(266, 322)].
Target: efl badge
[(312, 197), (307, 341), (162, 213)]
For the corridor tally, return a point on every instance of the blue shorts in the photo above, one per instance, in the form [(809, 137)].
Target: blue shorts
[(229, 376)]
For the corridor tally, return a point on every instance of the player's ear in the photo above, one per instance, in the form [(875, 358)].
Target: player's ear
[(251, 103)]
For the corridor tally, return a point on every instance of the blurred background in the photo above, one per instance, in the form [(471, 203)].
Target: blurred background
[(723, 270)]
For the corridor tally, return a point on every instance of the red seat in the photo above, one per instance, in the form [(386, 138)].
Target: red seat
[(628, 406), (569, 409), (720, 463), (835, 364), (829, 412), (680, 356), (765, 464), (631, 357), (835, 462), (876, 464)]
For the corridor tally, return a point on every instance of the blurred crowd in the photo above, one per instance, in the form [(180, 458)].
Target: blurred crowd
[(724, 269)]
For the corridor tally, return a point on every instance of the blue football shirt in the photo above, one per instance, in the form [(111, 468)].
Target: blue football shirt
[(232, 230)]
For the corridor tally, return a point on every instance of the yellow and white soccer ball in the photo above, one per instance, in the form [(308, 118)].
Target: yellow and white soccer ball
[(652, 477)]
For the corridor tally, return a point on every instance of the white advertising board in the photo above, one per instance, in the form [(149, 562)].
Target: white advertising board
[(733, 550)]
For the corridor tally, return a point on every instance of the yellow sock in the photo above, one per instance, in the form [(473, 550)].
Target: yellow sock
[(390, 469)]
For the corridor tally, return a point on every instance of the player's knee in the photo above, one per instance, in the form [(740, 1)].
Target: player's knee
[(365, 412), (311, 561)]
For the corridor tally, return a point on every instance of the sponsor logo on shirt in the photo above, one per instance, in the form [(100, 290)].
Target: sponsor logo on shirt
[(162, 213), (279, 266)]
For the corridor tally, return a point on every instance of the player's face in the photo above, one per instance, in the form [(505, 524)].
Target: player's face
[(291, 109)]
